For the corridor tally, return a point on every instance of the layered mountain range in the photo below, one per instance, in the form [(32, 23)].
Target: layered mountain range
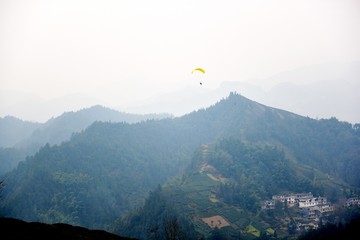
[(238, 151)]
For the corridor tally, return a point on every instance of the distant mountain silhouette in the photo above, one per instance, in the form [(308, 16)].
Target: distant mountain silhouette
[(14, 130), (22, 138), (317, 91), (59, 129)]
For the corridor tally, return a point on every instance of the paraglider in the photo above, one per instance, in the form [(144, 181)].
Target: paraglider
[(199, 70)]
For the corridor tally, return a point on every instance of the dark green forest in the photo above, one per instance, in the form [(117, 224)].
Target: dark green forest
[(147, 179), (256, 173)]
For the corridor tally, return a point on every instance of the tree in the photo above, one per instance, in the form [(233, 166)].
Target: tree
[(172, 230), (1, 186), (292, 227), (263, 236), (218, 234)]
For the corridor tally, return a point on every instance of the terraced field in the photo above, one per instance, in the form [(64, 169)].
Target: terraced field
[(194, 197)]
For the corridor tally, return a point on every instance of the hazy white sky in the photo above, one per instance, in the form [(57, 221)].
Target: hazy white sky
[(125, 50)]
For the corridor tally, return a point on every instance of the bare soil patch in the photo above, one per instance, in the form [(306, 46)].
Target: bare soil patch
[(216, 221)]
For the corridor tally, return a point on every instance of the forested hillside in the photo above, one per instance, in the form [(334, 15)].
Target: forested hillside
[(59, 129), (20, 138), (98, 175), (108, 169), (227, 182), (13, 131)]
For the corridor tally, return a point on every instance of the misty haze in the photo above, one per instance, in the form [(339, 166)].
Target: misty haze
[(179, 119)]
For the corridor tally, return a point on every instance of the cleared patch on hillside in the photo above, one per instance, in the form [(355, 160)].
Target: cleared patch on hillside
[(216, 178), (205, 167), (216, 222), (212, 198), (212, 172), (252, 230)]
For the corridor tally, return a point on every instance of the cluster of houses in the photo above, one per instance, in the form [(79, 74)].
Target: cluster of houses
[(302, 200), (311, 208), (352, 202)]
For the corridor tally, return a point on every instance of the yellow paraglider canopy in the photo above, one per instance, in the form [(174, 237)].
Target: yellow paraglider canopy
[(198, 69)]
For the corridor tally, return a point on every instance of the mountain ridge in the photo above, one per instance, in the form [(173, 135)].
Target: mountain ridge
[(117, 164), (20, 139), (318, 91)]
